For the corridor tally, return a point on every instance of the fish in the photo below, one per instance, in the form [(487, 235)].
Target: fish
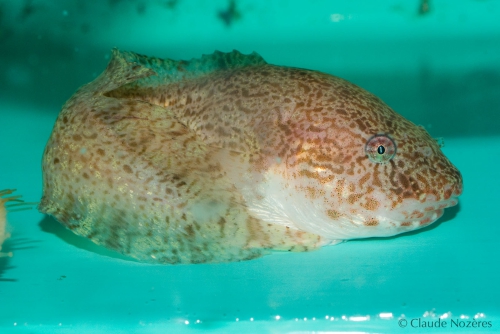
[(5, 206), (228, 158)]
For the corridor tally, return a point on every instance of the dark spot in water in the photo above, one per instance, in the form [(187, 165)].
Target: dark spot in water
[(27, 10), (141, 8), (170, 4), (229, 14), (85, 28), (424, 7)]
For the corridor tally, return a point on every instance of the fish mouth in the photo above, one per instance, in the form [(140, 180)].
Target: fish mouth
[(452, 201), (431, 212)]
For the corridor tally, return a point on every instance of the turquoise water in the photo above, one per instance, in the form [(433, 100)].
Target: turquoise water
[(439, 68)]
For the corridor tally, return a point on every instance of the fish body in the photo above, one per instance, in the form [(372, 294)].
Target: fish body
[(226, 157)]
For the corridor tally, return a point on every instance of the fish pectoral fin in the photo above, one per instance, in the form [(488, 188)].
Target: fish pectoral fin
[(153, 134)]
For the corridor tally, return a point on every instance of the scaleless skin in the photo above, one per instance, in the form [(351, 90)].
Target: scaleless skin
[(226, 157)]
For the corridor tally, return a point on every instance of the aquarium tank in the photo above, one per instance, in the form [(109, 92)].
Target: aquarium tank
[(286, 266)]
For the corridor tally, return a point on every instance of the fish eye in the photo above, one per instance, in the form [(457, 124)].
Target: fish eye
[(380, 149)]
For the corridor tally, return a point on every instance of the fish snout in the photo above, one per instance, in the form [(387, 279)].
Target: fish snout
[(454, 187), (458, 186)]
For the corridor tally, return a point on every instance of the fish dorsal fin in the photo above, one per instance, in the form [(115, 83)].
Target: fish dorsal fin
[(165, 71)]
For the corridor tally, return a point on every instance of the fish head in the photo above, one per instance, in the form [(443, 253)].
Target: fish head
[(363, 170)]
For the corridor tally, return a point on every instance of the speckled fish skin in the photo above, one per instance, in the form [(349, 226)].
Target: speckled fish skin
[(226, 157)]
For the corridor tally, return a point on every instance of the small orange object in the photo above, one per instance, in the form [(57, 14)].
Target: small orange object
[(18, 205)]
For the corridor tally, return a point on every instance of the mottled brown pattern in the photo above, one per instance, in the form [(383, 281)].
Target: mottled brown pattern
[(162, 167)]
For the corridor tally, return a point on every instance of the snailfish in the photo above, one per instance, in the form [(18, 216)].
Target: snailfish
[(226, 158)]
